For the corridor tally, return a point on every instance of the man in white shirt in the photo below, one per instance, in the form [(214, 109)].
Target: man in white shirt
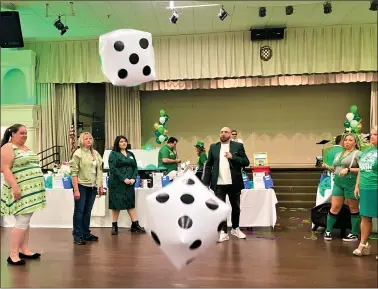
[(234, 136), (223, 173)]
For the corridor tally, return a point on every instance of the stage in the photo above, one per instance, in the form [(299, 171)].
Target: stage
[(279, 258)]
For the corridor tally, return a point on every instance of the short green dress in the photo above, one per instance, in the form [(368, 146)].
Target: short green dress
[(121, 195), (369, 183), (28, 174)]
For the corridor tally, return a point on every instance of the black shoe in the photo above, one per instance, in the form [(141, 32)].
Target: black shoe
[(34, 256), (79, 242), (114, 228), (91, 238), (11, 262), (136, 228)]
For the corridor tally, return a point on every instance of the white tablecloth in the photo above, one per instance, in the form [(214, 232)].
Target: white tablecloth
[(327, 195), (258, 208)]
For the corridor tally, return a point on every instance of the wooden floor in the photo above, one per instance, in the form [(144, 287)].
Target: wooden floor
[(284, 258)]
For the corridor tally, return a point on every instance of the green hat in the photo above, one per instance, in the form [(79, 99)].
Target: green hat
[(200, 144)]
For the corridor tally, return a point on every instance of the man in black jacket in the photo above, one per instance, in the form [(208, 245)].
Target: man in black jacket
[(223, 174)]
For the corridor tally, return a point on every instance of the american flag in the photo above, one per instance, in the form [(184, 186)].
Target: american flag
[(73, 136)]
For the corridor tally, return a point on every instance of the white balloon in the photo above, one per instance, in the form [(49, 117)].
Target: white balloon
[(354, 123), (350, 116), (162, 119), (162, 138)]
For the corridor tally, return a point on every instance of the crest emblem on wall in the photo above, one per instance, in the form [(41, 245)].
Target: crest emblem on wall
[(266, 53)]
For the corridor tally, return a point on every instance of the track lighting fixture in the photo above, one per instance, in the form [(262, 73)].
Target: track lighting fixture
[(222, 14), (327, 7), (174, 17), (289, 10), (60, 26), (262, 11), (373, 5)]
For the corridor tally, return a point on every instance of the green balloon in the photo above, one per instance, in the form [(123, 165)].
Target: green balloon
[(157, 133), (162, 112), (357, 117), (353, 108), (158, 141), (347, 124), (161, 129)]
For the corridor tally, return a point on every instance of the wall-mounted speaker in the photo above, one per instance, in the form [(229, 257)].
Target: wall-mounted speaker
[(267, 34), (98, 130), (10, 30)]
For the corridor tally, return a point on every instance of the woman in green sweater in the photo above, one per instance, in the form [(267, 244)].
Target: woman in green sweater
[(366, 190), (202, 157)]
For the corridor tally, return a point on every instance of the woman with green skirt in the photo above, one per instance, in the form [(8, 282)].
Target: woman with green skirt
[(367, 191), (345, 167)]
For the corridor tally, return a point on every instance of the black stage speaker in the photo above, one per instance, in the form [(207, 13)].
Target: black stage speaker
[(10, 30), (267, 34), (98, 129)]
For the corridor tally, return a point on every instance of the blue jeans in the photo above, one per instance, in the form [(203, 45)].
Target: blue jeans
[(82, 212)]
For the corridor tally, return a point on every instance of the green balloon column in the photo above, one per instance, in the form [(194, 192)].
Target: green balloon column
[(161, 129), (354, 121)]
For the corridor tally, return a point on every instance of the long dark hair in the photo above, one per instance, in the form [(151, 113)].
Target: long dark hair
[(116, 147), (9, 131)]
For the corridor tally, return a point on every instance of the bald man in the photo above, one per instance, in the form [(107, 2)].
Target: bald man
[(223, 173)]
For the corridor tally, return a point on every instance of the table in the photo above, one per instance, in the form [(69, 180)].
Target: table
[(257, 210)]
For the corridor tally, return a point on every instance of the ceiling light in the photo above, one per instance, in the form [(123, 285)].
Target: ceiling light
[(262, 11), (327, 7), (374, 5), (289, 10), (174, 17), (60, 26), (222, 14)]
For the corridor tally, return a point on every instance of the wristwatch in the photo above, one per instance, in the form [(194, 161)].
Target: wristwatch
[(348, 170)]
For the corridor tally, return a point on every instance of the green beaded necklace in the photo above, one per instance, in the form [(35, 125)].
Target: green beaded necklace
[(342, 157)]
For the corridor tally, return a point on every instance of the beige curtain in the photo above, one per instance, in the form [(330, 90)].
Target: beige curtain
[(374, 104), (284, 80), (122, 115), (45, 93), (309, 50), (65, 110)]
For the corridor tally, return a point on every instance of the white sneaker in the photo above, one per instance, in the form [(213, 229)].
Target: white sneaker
[(223, 237), (236, 232), (362, 250)]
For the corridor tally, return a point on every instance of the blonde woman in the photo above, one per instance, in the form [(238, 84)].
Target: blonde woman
[(87, 180), (367, 191), (345, 166)]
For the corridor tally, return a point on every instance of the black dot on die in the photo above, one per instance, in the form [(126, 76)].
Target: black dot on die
[(119, 46), (211, 204), (143, 43), (146, 70), (187, 199), (185, 222), (220, 226), (134, 58), (122, 73), (155, 237), (162, 198), (196, 244), (190, 182)]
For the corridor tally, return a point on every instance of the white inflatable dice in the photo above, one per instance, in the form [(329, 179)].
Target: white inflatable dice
[(184, 219), (127, 57)]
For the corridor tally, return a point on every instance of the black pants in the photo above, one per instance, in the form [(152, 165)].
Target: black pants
[(221, 192)]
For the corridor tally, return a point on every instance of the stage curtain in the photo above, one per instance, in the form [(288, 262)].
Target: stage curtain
[(311, 50), (122, 115), (374, 105), (46, 98), (65, 110), (289, 80)]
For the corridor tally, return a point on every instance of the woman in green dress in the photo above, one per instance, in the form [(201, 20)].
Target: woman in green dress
[(23, 191), (367, 191), (123, 174), (202, 157)]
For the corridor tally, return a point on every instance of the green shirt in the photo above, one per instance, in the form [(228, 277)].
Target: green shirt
[(330, 156), (368, 169), (202, 158), (166, 152)]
